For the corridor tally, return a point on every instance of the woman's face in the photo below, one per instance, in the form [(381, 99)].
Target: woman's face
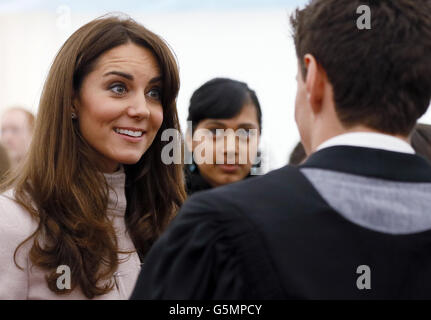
[(119, 105), (232, 154)]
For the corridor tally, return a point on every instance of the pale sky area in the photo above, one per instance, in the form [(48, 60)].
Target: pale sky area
[(247, 40)]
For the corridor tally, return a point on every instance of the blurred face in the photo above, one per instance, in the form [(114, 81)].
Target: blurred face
[(16, 134), (302, 116), (233, 152), (119, 106)]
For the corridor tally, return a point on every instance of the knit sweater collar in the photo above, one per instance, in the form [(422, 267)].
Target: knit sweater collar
[(117, 195)]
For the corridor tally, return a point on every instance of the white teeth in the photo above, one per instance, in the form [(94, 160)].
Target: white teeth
[(129, 132)]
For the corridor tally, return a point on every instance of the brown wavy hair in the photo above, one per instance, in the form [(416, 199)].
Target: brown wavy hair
[(60, 184)]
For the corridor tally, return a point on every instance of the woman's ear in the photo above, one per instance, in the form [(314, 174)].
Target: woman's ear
[(75, 106)]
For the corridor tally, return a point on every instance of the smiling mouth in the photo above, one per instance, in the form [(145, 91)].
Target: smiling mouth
[(129, 132)]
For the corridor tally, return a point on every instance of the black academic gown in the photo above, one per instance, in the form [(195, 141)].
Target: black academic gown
[(275, 237)]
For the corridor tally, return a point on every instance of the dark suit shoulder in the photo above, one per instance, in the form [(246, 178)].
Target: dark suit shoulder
[(273, 185), (212, 250), (279, 192)]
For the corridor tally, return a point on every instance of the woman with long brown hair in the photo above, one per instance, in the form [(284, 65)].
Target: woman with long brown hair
[(93, 195)]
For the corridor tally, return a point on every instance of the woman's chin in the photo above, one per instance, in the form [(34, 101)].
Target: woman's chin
[(227, 179), (129, 160)]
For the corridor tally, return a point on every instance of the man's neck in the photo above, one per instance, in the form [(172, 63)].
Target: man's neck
[(357, 129)]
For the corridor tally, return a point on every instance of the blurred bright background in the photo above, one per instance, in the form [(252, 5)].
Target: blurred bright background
[(247, 40)]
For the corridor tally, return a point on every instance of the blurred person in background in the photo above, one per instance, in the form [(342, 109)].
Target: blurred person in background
[(93, 194), (421, 140), (217, 106), (353, 221), (297, 156), (17, 126)]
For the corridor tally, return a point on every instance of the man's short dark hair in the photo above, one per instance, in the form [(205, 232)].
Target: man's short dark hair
[(381, 76)]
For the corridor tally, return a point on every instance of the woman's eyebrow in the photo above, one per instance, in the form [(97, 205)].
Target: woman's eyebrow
[(119, 73), (218, 123), (248, 125), (130, 77), (156, 79)]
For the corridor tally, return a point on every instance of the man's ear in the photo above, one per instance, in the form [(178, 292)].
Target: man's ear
[(314, 82)]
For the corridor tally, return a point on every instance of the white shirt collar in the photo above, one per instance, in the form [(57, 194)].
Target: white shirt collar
[(369, 140)]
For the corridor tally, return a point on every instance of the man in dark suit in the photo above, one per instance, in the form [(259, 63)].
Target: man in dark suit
[(353, 221)]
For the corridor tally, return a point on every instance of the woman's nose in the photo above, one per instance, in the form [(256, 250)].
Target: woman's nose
[(139, 107)]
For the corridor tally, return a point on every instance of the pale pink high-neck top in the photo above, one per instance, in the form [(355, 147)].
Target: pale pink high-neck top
[(16, 224)]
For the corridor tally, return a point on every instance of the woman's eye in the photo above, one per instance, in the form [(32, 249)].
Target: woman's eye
[(243, 134), (247, 133), (118, 89), (217, 133), (155, 94)]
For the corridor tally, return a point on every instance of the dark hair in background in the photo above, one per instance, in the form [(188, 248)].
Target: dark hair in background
[(221, 98), (421, 140), (381, 77), (298, 155)]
